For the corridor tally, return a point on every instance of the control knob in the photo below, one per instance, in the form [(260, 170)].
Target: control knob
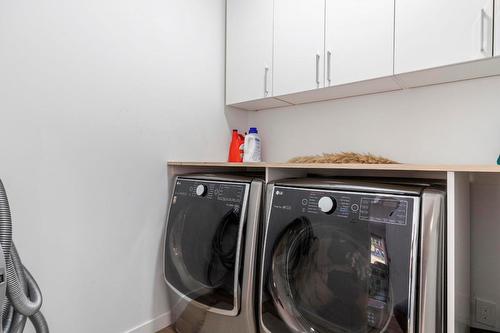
[(327, 205), (201, 190)]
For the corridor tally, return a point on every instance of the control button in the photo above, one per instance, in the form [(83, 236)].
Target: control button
[(327, 205), (201, 190), (355, 207), (304, 202)]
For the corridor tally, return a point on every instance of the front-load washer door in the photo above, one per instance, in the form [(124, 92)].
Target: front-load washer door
[(203, 242), (339, 262)]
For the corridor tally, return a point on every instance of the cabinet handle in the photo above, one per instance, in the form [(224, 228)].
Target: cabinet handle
[(266, 71), (317, 68), (483, 14), (329, 66)]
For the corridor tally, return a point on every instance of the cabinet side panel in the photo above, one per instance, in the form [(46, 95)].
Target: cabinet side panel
[(458, 252)]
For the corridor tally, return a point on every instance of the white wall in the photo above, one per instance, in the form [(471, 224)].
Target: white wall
[(485, 231), (95, 97), (450, 123)]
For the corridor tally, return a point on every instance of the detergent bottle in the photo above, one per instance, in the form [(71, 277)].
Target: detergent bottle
[(252, 149), (236, 147)]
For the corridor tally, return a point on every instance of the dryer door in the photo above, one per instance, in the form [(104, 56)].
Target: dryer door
[(339, 262), (203, 242)]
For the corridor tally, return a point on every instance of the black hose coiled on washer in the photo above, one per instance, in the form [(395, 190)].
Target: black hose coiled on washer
[(24, 298), (226, 258)]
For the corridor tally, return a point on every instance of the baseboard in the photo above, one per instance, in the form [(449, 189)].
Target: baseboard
[(153, 325)]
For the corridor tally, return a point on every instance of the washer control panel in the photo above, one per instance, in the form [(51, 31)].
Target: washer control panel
[(369, 207), (209, 190)]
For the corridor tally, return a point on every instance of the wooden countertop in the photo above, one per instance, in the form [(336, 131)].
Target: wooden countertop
[(393, 167)]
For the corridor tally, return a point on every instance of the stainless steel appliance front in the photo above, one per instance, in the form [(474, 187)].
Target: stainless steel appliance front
[(209, 252), (343, 256)]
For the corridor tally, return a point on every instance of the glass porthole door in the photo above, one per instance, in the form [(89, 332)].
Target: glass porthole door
[(335, 265), (203, 243)]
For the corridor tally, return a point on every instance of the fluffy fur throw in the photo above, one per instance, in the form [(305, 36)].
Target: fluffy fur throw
[(343, 158)]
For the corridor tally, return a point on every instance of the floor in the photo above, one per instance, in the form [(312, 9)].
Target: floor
[(166, 330)]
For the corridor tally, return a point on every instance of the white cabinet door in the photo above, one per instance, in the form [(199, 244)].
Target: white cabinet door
[(497, 28), (249, 50), (359, 40), (432, 33), (298, 45)]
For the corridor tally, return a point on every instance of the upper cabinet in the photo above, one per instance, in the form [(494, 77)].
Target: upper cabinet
[(432, 33), (497, 28), (249, 50), (282, 52), (359, 40), (299, 37)]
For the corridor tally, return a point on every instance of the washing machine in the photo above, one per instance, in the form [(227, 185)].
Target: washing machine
[(210, 252), (353, 255)]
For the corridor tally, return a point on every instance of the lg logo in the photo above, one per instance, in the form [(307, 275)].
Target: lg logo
[(279, 192)]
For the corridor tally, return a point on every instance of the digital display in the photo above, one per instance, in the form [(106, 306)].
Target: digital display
[(229, 193), (383, 210)]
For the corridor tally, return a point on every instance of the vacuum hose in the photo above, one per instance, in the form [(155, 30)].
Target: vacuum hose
[(24, 298)]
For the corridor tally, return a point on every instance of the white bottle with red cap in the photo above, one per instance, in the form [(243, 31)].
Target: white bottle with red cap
[(252, 151)]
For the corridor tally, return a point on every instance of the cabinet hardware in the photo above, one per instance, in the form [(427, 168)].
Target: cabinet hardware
[(483, 15), (317, 68), (266, 71), (329, 66)]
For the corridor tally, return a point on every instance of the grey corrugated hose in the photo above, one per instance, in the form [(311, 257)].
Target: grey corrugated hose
[(24, 298)]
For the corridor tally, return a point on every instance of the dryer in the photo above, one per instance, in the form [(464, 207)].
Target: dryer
[(353, 255), (210, 252)]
